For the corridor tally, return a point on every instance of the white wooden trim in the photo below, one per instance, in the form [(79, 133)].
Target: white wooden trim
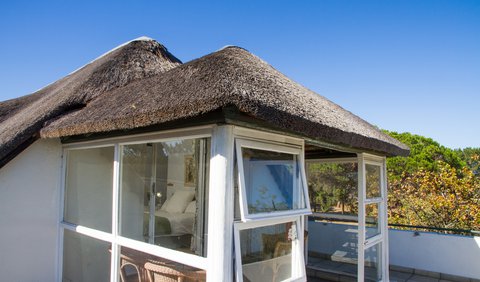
[(115, 258), (190, 132), (361, 219), (162, 252), (333, 160), (385, 250), (303, 175), (59, 264), (382, 238), (266, 146), (266, 222), (242, 195), (267, 215), (253, 134), (220, 205), (100, 235)]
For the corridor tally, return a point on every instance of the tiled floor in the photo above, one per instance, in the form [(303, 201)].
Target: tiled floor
[(319, 270)]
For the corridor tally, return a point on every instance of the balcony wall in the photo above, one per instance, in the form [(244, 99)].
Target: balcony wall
[(448, 254)]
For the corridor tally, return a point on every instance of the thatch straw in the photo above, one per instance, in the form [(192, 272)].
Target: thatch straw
[(21, 119), (229, 77), (141, 84)]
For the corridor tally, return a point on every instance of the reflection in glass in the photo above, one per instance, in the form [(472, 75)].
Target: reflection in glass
[(163, 193), (373, 263), (333, 187), (88, 188), (272, 181), (266, 252), (372, 227), (373, 189), (85, 258), (333, 193)]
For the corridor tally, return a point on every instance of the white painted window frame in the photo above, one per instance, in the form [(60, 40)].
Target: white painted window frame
[(298, 260), (114, 238), (382, 238), (254, 139), (267, 146)]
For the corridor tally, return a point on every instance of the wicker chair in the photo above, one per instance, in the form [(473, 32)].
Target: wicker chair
[(160, 272), (134, 275)]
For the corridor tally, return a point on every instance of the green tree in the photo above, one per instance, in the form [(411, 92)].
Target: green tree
[(424, 155), (436, 198), (434, 186), (333, 185), (471, 156)]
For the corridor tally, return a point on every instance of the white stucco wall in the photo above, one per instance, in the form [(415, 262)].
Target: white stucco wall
[(29, 206), (450, 254)]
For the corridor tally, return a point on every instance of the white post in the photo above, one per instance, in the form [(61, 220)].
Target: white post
[(361, 218), (221, 206), (385, 251)]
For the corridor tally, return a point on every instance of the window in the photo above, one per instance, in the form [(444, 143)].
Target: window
[(149, 198), (272, 198), (271, 181), (163, 199), (88, 188), (268, 251)]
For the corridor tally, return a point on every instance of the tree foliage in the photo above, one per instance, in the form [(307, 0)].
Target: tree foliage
[(333, 187), (435, 186), (436, 198), (424, 155)]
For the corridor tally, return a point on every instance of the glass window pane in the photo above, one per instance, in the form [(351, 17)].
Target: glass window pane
[(333, 187), (85, 258), (333, 232), (272, 181), (163, 193), (89, 186), (372, 227), (373, 175), (137, 266), (266, 252), (373, 263)]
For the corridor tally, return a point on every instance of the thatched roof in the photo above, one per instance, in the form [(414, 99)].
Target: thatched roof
[(231, 76), (21, 119), (128, 89)]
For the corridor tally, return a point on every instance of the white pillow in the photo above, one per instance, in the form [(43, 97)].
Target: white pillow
[(178, 202), (191, 208), (164, 206)]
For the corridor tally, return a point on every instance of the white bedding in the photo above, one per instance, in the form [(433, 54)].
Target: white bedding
[(180, 223)]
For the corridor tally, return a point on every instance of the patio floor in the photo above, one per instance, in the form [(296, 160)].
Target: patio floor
[(319, 269)]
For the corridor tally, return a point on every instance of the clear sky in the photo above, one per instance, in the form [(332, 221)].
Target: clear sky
[(401, 65)]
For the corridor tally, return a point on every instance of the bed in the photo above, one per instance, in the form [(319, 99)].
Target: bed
[(174, 221)]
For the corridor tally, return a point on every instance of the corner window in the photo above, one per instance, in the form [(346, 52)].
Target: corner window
[(130, 208)]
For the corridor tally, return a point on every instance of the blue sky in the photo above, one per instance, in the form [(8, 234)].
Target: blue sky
[(401, 65)]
